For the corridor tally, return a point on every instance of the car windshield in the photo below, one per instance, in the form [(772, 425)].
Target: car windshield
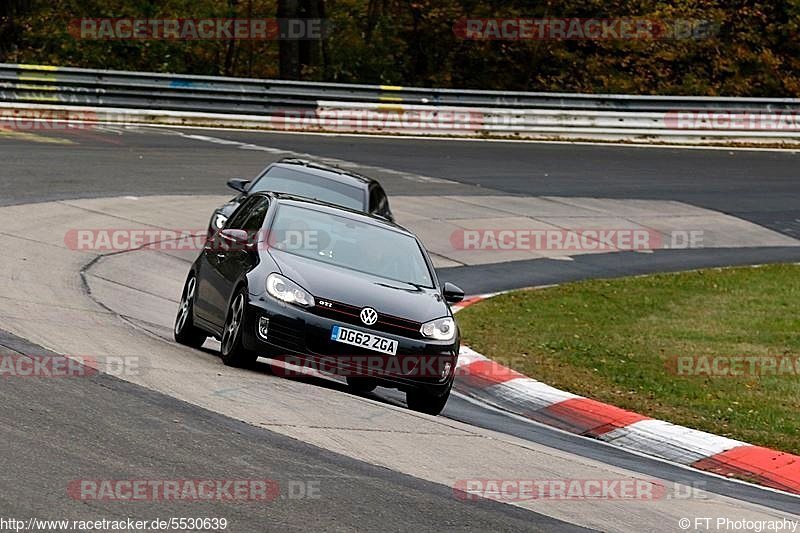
[(290, 181), (350, 244)]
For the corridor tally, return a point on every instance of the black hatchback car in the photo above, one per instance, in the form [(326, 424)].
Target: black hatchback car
[(308, 179), (292, 277)]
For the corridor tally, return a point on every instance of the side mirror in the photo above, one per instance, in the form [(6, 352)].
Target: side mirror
[(236, 239), (452, 293), (238, 184)]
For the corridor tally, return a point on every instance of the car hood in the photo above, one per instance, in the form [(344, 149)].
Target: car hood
[(361, 290)]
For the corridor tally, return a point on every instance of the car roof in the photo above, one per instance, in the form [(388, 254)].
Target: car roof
[(285, 198), (325, 171)]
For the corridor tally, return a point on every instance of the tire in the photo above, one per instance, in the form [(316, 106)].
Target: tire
[(425, 402), (361, 385), (184, 331), (232, 351)]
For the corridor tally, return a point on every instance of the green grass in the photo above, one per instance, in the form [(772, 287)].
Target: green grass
[(611, 340)]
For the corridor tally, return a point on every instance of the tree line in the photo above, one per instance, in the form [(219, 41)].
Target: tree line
[(753, 49)]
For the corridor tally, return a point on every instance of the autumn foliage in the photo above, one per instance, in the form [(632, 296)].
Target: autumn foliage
[(754, 49)]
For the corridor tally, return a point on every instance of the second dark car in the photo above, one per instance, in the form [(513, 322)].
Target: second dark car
[(312, 180)]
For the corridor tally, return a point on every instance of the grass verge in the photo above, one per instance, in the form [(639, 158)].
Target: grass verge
[(620, 341)]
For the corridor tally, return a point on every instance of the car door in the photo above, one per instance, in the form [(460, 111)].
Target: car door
[(211, 286), (234, 260)]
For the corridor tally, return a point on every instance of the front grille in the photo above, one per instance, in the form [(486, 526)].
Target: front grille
[(350, 314)]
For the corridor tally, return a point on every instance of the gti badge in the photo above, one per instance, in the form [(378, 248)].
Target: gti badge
[(369, 316)]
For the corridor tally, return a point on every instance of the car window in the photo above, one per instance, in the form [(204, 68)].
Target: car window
[(351, 244), (377, 201), (255, 220), (290, 181), (237, 219), (250, 215)]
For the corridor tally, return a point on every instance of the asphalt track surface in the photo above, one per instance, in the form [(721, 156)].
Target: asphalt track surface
[(760, 186), (125, 426), (61, 426)]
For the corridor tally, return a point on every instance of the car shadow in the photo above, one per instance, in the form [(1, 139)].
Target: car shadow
[(266, 366)]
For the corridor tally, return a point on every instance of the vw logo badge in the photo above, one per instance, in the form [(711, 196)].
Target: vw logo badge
[(369, 316)]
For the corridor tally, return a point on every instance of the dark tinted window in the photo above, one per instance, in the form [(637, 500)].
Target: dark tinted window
[(255, 220), (250, 215), (287, 180), (377, 201), (242, 212)]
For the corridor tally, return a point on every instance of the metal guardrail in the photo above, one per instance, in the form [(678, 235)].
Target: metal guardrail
[(121, 96)]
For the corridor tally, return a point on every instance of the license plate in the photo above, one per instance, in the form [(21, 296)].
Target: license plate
[(364, 340)]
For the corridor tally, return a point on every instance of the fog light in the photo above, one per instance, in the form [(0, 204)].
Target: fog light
[(263, 327), (446, 370)]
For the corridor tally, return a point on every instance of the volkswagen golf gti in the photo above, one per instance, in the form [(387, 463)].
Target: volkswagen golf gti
[(292, 277)]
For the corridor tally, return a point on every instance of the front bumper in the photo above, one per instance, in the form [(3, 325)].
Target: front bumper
[(294, 333)]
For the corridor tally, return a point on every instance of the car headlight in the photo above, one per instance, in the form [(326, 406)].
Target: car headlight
[(219, 220), (441, 329), (288, 291)]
